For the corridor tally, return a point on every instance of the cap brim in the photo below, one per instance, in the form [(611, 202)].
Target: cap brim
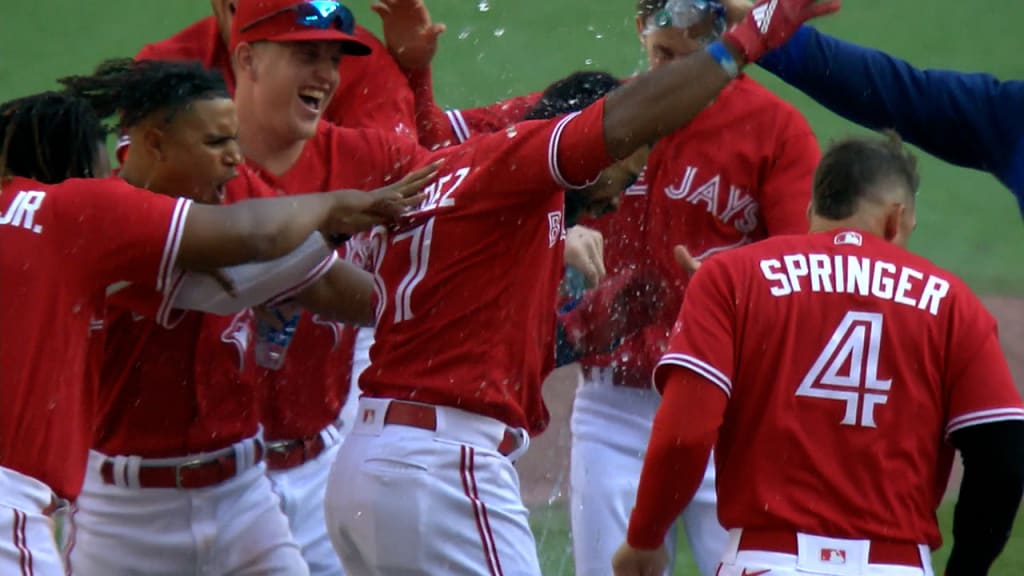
[(350, 44)]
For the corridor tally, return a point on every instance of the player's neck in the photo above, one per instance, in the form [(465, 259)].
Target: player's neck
[(271, 154), (854, 222)]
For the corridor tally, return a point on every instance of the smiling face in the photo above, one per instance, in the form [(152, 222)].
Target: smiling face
[(290, 84), (197, 152)]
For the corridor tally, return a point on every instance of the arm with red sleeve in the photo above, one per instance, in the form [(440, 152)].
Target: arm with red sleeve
[(694, 376), (438, 128), (986, 423)]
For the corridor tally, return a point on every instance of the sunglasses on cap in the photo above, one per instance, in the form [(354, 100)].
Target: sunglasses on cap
[(321, 14), (687, 13)]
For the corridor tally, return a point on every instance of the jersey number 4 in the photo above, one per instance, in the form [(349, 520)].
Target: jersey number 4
[(847, 369)]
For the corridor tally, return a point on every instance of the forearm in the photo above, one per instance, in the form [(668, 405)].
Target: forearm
[(344, 294), (661, 101), (990, 494), (965, 119), (251, 230), (432, 123), (685, 430)]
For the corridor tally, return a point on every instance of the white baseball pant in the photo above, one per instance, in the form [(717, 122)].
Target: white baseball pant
[(301, 491), (360, 361), (235, 527), (810, 560), (611, 426), (27, 544), (404, 500)]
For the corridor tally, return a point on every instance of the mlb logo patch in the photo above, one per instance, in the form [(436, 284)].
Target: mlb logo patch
[(833, 556), (849, 238)]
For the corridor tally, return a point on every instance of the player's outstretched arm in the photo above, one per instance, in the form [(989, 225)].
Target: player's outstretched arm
[(970, 120), (990, 494), (264, 229), (659, 102), (344, 294)]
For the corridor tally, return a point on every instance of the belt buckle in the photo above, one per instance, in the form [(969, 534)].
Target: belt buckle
[(196, 463)]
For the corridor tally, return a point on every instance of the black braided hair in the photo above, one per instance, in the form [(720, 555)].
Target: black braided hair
[(136, 90), (49, 137)]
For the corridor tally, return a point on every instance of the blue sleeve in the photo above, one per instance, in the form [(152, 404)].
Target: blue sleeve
[(971, 120)]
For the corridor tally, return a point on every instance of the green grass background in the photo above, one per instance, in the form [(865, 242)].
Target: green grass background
[(496, 48)]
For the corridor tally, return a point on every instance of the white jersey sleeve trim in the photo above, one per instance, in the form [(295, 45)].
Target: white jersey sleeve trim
[(705, 370), (459, 125), (984, 417), (167, 315), (311, 278), (556, 173), (165, 274)]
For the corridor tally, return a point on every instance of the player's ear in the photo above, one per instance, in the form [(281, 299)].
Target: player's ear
[(153, 141), (245, 60), (894, 229)]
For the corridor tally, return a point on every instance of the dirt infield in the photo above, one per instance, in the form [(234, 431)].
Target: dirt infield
[(544, 471)]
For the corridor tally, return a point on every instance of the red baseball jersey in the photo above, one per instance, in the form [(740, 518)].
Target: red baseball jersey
[(179, 384), (373, 92), (308, 390), (740, 172), (847, 362), (60, 247), (466, 289)]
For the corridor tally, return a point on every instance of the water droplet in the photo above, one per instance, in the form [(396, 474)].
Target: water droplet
[(483, 6), (599, 35), (588, 61), (464, 33), (511, 131), (499, 32)]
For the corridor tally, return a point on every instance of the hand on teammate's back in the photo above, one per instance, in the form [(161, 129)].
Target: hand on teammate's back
[(408, 31), (770, 24), (584, 251), (355, 210), (688, 263)]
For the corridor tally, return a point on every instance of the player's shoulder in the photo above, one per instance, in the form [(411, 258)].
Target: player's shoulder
[(747, 95), (190, 43)]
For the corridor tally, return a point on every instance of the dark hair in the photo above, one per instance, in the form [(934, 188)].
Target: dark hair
[(644, 8), (136, 90), (573, 93), (853, 169), (49, 137)]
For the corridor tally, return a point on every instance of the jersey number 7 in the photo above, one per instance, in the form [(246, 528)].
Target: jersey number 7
[(847, 369), (419, 239)]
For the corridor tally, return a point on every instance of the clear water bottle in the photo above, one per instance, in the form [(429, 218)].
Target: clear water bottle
[(273, 338)]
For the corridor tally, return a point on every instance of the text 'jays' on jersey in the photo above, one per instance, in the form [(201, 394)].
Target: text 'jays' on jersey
[(60, 247), (848, 361), (740, 172), (466, 289)]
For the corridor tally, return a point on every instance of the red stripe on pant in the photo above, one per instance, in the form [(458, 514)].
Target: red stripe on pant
[(479, 511), (21, 542)]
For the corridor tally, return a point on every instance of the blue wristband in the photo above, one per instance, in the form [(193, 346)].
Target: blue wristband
[(721, 54)]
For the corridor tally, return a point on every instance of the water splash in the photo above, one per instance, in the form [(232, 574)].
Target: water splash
[(588, 61), (465, 33), (483, 6), (499, 32)]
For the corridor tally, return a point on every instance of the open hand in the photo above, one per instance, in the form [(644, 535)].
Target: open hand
[(409, 33), (355, 210)]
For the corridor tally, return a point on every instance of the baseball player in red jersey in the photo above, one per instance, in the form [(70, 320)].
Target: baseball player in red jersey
[(114, 232), (372, 92), (740, 172), (425, 482), (837, 373), (285, 143)]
